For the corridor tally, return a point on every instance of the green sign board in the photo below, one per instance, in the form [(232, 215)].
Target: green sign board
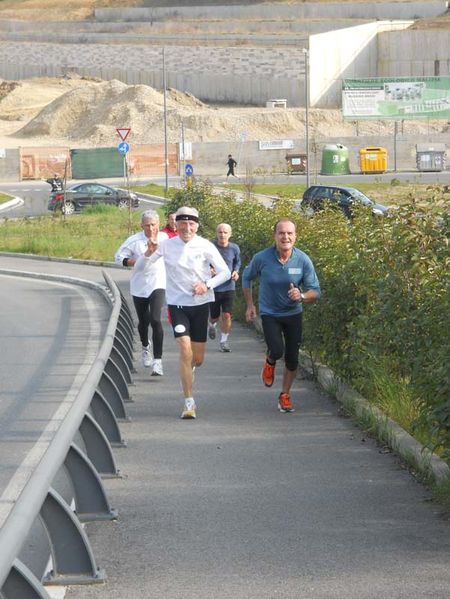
[(396, 98)]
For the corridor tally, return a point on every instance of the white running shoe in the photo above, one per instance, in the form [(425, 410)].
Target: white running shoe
[(147, 356), (212, 331), (188, 412), (157, 367)]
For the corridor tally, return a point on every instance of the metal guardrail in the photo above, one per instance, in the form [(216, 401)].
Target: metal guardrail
[(94, 416)]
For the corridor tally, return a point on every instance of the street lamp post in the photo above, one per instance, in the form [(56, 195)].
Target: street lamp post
[(166, 153), (306, 53)]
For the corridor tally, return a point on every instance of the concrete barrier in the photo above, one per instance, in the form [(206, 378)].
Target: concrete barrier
[(209, 158), (305, 10)]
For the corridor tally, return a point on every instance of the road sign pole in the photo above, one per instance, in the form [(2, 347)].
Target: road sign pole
[(182, 145), (188, 171)]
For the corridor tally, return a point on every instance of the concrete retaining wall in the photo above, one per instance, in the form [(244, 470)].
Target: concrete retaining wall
[(306, 10), (209, 158), (345, 54), (248, 75), (96, 32), (10, 165), (215, 74), (414, 53)]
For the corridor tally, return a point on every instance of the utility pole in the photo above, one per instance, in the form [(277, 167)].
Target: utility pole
[(183, 157), (306, 53), (166, 153)]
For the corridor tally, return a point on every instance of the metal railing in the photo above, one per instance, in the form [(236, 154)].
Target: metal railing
[(94, 417)]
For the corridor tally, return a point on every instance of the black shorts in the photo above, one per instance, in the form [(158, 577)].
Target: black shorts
[(191, 321), (224, 302)]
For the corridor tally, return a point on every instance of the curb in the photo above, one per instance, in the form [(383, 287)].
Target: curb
[(14, 203), (427, 464)]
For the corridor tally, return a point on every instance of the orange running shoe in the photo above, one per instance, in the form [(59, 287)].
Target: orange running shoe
[(268, 373), (284, 403)]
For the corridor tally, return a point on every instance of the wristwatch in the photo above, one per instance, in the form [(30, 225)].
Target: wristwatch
[(302, 296)]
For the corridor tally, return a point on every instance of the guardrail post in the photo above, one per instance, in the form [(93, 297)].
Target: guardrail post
[(125, 314), (121, 363), (123, 340), (98, 448), (91, 502), (122, 326), (125, 351), (112, 369), (73, 559), (21, 583), (125, 305), (112, 395), (104, 416)]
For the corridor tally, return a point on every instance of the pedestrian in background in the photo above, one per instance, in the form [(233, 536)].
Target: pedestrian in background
[(287, 281), (232, 164), (171, 225), (147, 289), (224, 294), (56, 182), (188, 259)]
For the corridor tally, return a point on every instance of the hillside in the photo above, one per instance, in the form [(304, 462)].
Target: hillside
[(55, 10)]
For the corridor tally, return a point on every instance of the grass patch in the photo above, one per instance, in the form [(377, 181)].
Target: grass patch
[(389, 193), (4, 197), (441, 493), (94, 235), (288, 190), (153, 189), (394, 397)]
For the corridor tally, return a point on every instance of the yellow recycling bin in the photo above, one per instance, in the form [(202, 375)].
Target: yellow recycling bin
[(373, 160)]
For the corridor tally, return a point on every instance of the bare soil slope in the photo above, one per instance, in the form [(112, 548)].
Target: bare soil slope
[(86, 112), (74, 10)]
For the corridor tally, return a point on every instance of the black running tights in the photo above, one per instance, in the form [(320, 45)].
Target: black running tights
[(148, 310)]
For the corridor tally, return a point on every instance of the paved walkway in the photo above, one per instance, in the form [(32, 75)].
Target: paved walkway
[(247, 503)]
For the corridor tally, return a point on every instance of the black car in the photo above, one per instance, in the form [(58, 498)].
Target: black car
[(317, 197), (79, 196)]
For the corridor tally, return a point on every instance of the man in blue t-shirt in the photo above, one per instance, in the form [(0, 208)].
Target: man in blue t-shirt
[(224, 294), (287, 281)]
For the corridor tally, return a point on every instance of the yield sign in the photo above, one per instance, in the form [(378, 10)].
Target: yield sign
[(123, 133)]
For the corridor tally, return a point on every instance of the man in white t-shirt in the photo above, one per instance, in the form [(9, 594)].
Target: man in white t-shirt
[(188, 259), (147, 289)]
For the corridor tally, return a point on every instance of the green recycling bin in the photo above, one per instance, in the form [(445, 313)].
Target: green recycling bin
[(335, 160)]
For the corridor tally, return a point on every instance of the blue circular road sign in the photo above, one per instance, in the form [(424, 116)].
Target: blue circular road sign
[(123, 147), (188, 169)]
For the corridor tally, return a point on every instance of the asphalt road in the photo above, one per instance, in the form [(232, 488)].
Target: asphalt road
[(35, 193), (50, 336), (249, 503)]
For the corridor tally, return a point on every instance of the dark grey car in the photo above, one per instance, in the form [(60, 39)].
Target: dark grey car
[(82, 195), (317, 196)]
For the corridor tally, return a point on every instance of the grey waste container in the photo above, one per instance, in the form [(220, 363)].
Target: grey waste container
[(430, 157)]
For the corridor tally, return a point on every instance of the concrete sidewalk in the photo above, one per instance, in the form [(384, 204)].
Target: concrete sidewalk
[(246, 502)]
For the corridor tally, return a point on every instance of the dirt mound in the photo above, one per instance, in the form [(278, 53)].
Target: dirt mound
[(87, 112)]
